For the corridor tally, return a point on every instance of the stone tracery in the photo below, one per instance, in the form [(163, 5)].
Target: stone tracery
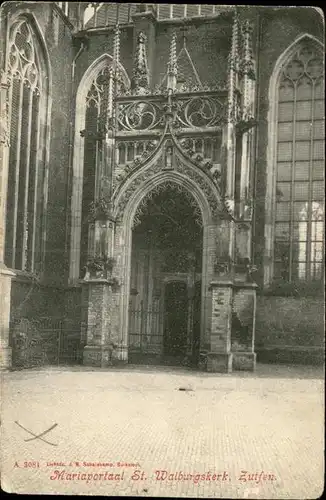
[(27, 105), (23, 62), (175, 189), (206, 185)]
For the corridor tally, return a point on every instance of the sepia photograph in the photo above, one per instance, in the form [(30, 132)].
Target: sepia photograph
[(162, 250)]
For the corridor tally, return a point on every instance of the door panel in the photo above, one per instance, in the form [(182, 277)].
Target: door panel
[(196, 323), (176, 312)]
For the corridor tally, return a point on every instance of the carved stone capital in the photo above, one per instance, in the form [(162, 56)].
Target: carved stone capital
[(4, 79)]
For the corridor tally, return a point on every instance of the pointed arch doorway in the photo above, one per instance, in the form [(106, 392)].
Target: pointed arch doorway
[(165, 278)]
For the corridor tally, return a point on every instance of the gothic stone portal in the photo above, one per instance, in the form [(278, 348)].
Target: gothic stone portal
[(166, 269)]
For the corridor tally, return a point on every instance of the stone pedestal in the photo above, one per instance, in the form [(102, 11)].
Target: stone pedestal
[(232, 301), (219, 359), (219, 362), (5, 292), (101, 348), (5, 275), (244, 361), (244, 307), (97, 355)]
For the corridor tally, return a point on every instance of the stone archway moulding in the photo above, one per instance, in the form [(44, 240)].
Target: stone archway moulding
[(78, 160), (200, 185), (272, 149), (133, 195), (161, 188), (126, 204)]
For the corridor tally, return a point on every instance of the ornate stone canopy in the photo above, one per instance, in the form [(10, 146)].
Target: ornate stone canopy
[(158, 167)]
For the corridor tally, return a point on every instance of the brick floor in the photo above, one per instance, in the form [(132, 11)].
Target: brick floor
[(270, 422)]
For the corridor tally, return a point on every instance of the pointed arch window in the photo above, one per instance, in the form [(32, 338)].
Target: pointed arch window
[(28, 102), (299, 190), (94, 105)]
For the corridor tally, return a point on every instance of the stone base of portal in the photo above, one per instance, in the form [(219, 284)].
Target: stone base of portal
[(100, 356), (5, 358), (219, 362), (244, 361), (5, 293)]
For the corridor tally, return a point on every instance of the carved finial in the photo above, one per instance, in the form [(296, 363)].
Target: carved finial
[(119, 81), (248, 60), (110, 92), (116, 45), (233, 67), (247, 71), (184, 30), (140, 79), (235, 41), (172, 64)]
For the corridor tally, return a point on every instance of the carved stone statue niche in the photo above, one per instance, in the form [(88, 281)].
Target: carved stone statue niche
[(168, 163)]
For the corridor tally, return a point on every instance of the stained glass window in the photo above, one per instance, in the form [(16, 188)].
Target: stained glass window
[(299, 214)]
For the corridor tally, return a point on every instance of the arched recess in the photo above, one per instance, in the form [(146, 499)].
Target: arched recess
[(29, 111), (123, 241), (88, 79), (277, 134)]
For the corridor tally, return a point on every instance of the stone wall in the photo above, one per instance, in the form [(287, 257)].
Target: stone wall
[(45, 324), (103, 44), (61, 57), (290, 329), (208, 45), (43, 297)]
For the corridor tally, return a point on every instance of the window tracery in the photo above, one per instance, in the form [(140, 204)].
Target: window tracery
[(299, 199), (27, 108)]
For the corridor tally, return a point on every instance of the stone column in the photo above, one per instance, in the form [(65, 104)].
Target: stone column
[(4, 154), (5, 274), (101, 288), (120, 306), (209, 246), (5, 291), (244, 306), (99, 348), (242, 237), (219, 359)]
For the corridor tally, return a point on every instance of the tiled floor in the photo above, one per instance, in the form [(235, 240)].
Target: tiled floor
[(260, 434)]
